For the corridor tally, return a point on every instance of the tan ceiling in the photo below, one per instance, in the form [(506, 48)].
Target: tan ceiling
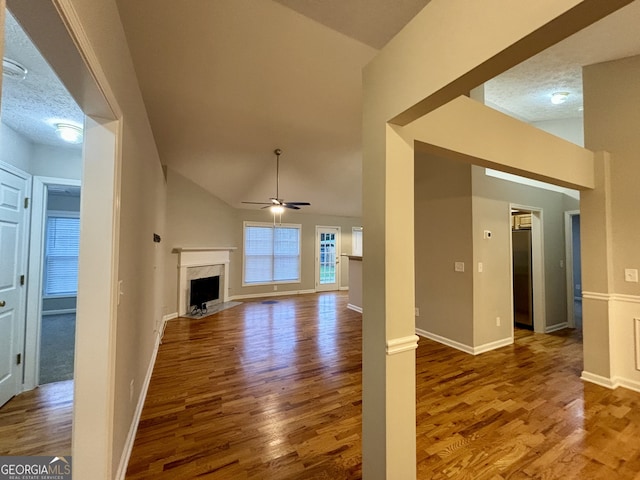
[(227, 81)]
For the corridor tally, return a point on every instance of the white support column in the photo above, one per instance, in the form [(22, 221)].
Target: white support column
[(389, 341)]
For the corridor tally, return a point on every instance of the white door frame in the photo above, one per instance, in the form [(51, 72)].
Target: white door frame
[(537, 266), (338, 251), (18, 343), (34, 276), (56, 30), (568, 248)]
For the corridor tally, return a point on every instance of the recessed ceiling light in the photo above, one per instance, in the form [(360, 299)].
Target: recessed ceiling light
[(559, 97), (12, 69), (69, 133)]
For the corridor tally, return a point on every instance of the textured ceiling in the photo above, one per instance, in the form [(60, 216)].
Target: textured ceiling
[(525, 90), (34, 105)]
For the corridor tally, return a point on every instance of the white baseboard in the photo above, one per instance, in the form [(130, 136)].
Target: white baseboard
[(343, 288), (465, 348), (59, 312), (555, 328), (445, 341), (353, 307), (170, 316), (611, 383), (598, 380), (626, 383), (271, 294), (128, 445), (493, 345)]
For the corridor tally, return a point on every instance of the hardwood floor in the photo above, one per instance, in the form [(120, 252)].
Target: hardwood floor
[(38, 422), (273, 391), (262, 390), (522, 412)]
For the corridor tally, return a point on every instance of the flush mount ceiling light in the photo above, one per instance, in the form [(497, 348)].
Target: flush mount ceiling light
[(69, 133), (559, 97), (12, 69)]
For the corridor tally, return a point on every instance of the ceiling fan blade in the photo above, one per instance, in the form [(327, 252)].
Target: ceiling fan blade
[(257, 203), (292, 207), (301, 204)]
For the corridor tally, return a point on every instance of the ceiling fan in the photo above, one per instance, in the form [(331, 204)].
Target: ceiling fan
[(277, 204)]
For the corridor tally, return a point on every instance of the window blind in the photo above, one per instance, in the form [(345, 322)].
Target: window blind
[(271, 253), (61, 255)]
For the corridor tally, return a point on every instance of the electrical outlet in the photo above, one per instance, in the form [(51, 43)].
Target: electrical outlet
[(480, 267), (417, 312), (459, 267), (497, 321)]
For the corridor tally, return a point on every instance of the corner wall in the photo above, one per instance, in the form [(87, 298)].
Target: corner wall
[(454, 204), (492, 197), (611, 226), (443, 236)]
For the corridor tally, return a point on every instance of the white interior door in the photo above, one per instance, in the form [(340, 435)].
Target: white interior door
[(13, 190), (327, 258)]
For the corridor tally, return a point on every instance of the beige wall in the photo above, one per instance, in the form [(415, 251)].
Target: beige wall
[(492, 197), (196, 218), (610, 245), (443, 236), (455, 204), (612, 122), (142, 206)]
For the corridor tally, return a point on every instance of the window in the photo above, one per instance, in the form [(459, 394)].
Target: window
[(271, 253), (356, 241), (61, 254)]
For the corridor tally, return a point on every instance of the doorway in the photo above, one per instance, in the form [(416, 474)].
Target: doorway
[(527, 268), (327, 258), (574, 271), (59, 282)]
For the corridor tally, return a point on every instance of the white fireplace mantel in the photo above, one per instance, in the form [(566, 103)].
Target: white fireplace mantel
[(189, 257)]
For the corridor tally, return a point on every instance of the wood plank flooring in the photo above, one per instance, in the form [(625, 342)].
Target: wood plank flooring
[(38, 422), (273, 391), (262, 390)]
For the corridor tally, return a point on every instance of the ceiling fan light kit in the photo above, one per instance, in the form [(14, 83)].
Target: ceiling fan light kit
[(276, 204)]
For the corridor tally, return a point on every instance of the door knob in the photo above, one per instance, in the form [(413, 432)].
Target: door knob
[(2, 303)]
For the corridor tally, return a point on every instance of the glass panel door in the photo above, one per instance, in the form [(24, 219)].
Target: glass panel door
[(327, 258)]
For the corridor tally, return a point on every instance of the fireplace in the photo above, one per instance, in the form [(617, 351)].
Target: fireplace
[(204, 288), (202, 278), (204, 291)]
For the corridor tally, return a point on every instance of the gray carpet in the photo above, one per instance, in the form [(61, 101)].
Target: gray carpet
[(57, 345)]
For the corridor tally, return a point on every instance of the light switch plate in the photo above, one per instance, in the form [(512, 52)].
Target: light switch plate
[(631, 275)]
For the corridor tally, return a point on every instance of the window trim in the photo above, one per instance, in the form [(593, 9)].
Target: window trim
[(56, 214), (354, 231), (297, 226)]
